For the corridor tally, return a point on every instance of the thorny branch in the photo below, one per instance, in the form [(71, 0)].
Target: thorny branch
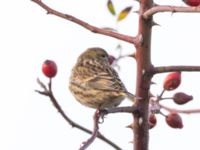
[(48, 92), (126, 38), (128, 109), (163, 69), (96, 118), (156, 9)]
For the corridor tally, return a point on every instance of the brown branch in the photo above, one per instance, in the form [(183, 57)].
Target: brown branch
[(96, 118), (143, 57), (156, 9), (126, 38), (163, 69), (188, 111), (128, 109), (101, 113), (49, 93)]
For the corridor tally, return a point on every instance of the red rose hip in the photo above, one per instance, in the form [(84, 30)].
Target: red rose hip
[(152, 120), (111, 59), (181, 98), (174, 120), (192, 3), (172, 81), (49, 68)]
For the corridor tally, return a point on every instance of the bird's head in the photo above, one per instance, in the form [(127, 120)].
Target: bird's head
[(95, 53)]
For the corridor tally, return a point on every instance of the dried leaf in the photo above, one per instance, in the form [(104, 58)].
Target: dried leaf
[(123, 14), (111, 7)]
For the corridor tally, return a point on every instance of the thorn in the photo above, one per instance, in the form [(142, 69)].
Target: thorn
[(130, 126), (140, 121), (136, 11), (141, 39), (151, 95), (155, 24), (119, 47), (143, 71), (152, 82), (132, 55), (131, 142), (154, 4), (173, 12), (137, 1)]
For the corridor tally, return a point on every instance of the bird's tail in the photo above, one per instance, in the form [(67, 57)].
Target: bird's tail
[(132, 97)]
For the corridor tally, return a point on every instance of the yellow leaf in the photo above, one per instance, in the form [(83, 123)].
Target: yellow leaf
[(111, 7), (123, 14)]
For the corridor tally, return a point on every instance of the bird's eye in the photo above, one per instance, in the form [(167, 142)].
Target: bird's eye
[(103, 56)]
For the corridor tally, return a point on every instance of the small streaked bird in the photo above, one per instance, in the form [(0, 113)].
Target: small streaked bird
[(94, 83)]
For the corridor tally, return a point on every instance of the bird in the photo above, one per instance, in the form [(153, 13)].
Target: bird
[(95, 83)]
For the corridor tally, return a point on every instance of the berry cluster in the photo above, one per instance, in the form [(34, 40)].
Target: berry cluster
[(173, 119)]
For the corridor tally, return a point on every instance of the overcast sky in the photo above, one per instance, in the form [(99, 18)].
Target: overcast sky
[(28, 36)]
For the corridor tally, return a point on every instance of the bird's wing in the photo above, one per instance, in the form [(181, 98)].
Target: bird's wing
[(108, 80)]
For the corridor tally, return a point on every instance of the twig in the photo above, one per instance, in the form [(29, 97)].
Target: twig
[(124, 56), (95, 131), (128, 109), (165, 98), (156, 9), (164, 69), (100, 113), (114, 63), (161, 94), (188, 111), (126, 38), (49, 93)]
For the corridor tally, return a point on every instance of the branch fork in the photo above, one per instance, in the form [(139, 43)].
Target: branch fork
[(47, 91), (167, 8), (94, 29)]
